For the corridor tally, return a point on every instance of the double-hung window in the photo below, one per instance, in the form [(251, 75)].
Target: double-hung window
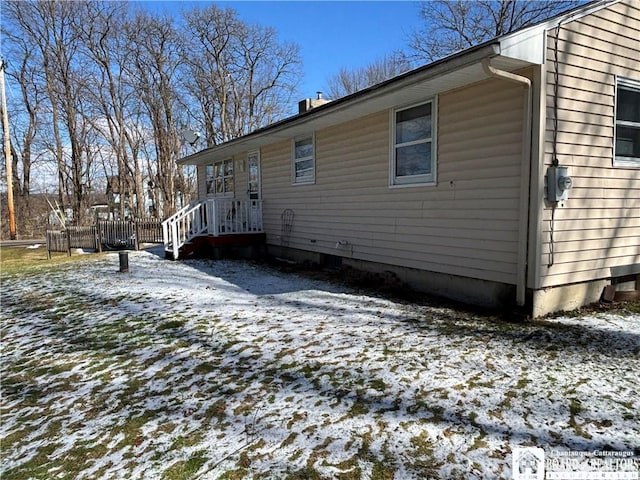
[(219, 178), (627, 145), (304, 165), (413, 145)]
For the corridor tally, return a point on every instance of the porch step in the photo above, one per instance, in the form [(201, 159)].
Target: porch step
[(210, 245), (186, 250)]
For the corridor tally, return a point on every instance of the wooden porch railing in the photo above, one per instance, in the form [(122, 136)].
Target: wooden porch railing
[(214, 216)]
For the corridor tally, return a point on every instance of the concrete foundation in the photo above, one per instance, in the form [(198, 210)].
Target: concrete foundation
[(471, 290), (570, 297), (567, 297), (462, 289)]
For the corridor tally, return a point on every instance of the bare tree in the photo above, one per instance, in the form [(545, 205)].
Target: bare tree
[(348, 81), (114, 97), (239, 75), (102, 87), (26, 27), (25, 72), (153, 64), (51, 29), (453, 25)]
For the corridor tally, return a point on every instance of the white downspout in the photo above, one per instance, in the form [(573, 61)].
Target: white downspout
[(525, 176)]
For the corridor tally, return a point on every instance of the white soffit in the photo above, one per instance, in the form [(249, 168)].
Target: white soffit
[(527, 45)]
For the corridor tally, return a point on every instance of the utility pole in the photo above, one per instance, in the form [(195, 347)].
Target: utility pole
[(7, 156)]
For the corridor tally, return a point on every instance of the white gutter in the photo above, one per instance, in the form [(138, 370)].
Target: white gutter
[(525, 176)]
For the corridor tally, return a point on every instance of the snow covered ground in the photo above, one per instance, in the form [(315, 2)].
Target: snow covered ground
[(228, 369)]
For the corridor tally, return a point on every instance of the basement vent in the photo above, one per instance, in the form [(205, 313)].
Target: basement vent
[(330, 261)]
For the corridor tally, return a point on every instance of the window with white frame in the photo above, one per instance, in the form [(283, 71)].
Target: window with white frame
[(413, 145), (627, 145), (219, 178), (304, 166)]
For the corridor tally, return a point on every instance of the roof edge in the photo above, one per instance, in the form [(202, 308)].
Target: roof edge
[(490, 48)]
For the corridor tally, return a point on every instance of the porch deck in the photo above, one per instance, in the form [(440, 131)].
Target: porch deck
[(213, 223)]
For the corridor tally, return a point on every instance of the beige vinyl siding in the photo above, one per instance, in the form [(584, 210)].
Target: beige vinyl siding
[(597, 231), (202, 181), (465, 225)]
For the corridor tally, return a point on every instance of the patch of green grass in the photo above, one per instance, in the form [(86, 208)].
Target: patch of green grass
[(295, 418), (422, 454), (632, 307), (236, 474), (577, 384), (287, 366), (204, 368), (289, 440), (348, 469), (284, 352), (378, 384), (479, 442), (382, 471), (359, 407), (23, 261), (508, 397), (307, 473), (132, 429), (37, 466), (217, 410), (575, 408), (381, 468), (311, 372), (184, 470), (188, 440)]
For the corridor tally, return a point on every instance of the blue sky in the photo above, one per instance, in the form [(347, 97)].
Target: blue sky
[(331, 34)]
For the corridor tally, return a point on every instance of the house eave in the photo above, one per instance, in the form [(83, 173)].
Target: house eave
[(421, 83)]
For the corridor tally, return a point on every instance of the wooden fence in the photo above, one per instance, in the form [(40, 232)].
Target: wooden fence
[(106, 234)]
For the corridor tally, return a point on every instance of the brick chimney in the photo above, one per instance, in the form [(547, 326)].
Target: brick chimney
[(309, 103)]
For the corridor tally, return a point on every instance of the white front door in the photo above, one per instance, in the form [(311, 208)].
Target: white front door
[(253, 160), (254, 190)]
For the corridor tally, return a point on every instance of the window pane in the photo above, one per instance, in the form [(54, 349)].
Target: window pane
[(209, 178), (219, 185), (628, 105), (627, 142), (413, 160), (304, 148), (228, 185), (304, 174), (228, 168), (304, 165), (413, 124)]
